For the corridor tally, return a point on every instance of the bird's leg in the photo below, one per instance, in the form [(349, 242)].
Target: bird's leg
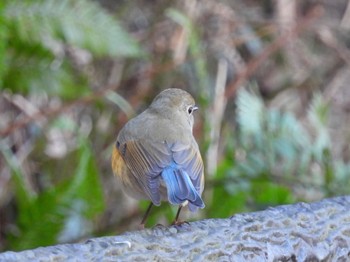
[(176, 221), (178, 214), (145, 216)]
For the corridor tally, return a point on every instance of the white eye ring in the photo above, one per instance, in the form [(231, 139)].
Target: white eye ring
[(191, 109)]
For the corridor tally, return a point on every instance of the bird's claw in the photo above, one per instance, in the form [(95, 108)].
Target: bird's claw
[(179, 223), (158, 226)]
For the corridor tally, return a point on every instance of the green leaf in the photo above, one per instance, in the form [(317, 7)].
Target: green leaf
[(231, 188), (318, 117), (250, 112), (268, 193), (121, 102), (33, 73), (24, 196), (225, 204), (79, 23), (318, 113), (38, 35), (63, 212), (38, 223), (82, 196)]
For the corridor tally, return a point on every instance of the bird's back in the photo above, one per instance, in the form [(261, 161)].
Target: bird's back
[(158, 158), (154, 127)]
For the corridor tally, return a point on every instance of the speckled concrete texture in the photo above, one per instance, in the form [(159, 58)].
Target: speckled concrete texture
[(301, 232)]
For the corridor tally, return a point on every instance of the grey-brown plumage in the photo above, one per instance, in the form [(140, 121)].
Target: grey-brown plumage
[(156, 156)]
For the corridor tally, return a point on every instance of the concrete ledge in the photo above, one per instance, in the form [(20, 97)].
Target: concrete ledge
[(317, 231)]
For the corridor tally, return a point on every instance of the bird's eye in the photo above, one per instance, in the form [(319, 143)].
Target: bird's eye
[(190, 110)]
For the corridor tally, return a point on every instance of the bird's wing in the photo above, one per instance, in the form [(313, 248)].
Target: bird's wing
[(189, 158), (184, 177), (146, 161)]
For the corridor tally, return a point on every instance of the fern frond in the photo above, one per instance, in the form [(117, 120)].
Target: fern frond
[(79, 23), (250, 112), (318, 117), (318, 111)]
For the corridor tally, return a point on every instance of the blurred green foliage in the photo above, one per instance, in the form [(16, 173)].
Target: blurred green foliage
[(36, 35), (61, 212), (274, 154)]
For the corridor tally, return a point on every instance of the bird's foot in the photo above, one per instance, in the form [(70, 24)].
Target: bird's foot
[(159, 226), (179, 223)]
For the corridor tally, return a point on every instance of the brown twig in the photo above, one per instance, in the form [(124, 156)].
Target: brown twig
[(149, 73), (253, 65), (231, 88), (54, 111), (216, 116)]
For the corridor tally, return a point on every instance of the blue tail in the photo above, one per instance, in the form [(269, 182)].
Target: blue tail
[(180, 188)]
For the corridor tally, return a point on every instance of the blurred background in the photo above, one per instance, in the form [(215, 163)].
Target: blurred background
[(270, 77)]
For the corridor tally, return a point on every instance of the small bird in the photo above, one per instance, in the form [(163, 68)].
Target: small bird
[(156, 156)]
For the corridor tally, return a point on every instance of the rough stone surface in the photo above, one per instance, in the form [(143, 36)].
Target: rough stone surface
[(301, 232)]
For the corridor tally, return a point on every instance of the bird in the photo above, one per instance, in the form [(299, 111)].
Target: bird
[(156, 156)]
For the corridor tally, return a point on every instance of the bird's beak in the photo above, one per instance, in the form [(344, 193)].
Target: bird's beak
[(195, 108)]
